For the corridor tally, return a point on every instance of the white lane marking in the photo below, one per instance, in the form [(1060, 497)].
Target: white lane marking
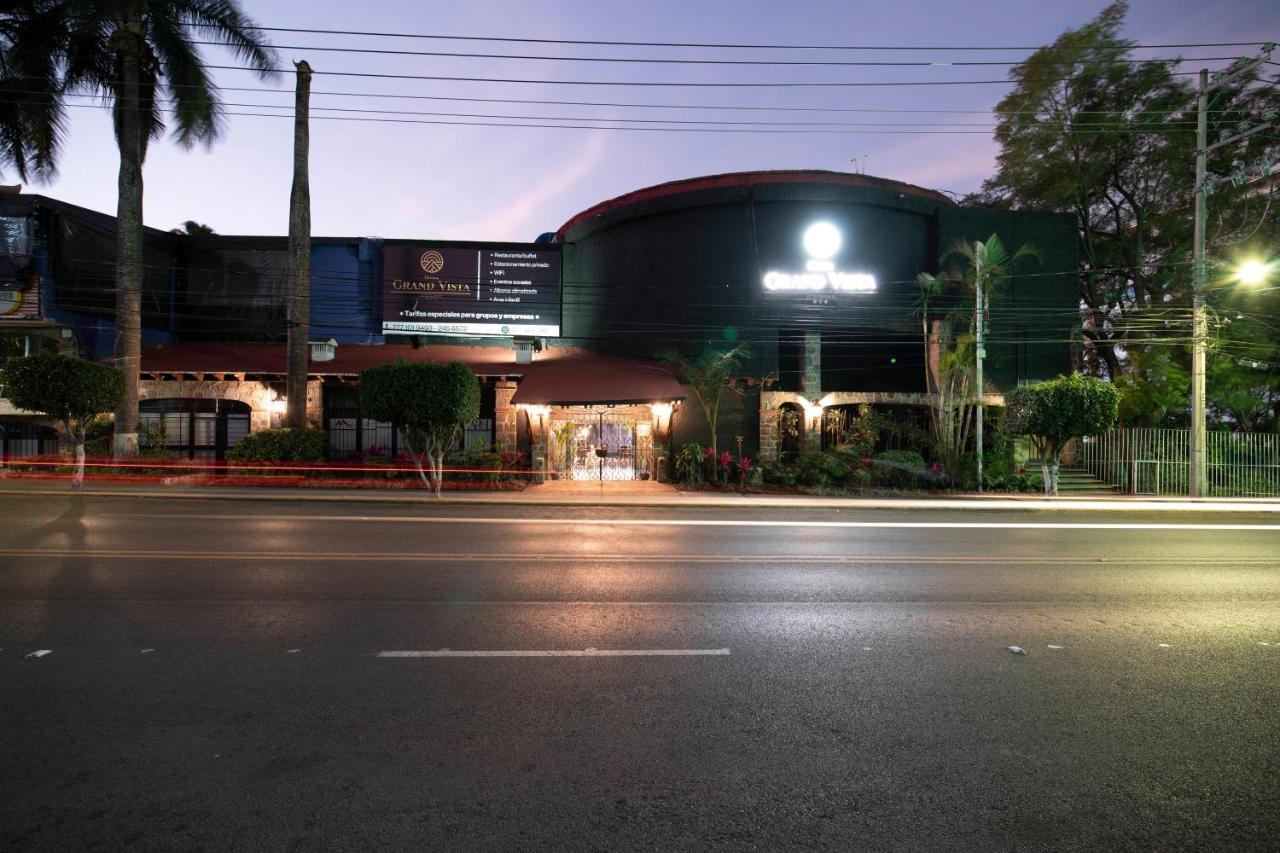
[(550, 653), (662, 559), (1055, 647), (294, 651), (39, 653), (721, 522), (1164, 645), (1261, 644), (147, 651)]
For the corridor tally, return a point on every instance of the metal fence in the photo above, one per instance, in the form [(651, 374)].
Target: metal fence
[(1158, 461)]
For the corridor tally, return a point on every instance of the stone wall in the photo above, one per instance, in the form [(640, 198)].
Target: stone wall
[(259, 396), (505, 416)]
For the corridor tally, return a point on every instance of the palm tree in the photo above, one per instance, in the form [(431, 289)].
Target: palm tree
[(950, 339), (191, 228), (141, 58)]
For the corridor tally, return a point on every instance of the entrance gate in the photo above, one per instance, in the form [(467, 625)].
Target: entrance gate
[(608, 447)]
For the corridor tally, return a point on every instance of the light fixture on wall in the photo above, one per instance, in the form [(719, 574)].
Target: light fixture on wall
[(280, 404)]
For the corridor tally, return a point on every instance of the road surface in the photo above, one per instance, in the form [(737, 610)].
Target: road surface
[(288, 676)]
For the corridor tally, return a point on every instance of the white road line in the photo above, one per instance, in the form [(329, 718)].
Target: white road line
[(39, 653), (660, 559), (720, 522), (552, 653)]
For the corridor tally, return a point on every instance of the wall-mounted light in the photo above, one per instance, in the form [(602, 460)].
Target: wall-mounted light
[(279, 405)]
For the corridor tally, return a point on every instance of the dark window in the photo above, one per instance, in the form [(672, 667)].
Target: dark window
[(19, 439), (191, 427)]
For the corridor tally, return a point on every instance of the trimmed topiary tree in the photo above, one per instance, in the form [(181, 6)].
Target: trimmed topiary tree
[(428, 403), (1054, 412), (70, 390)]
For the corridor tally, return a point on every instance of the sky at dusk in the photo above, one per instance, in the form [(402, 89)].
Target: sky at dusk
[(403, 179)]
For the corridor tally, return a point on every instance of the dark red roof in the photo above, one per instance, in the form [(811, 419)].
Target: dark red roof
[(349, 359), (596, 378), (560, 375), (750, 179)]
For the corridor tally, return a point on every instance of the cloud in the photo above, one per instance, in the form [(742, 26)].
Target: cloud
[(516, 219)]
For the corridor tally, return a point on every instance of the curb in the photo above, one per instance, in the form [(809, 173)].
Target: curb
[(974, 502)]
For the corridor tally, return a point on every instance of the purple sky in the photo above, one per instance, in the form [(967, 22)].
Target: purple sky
[(485, 183)]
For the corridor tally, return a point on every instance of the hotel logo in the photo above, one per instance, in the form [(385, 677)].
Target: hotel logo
[(431, 262)]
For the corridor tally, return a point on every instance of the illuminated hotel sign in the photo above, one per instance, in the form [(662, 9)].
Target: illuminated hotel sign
[(821, 242), (465, 291)]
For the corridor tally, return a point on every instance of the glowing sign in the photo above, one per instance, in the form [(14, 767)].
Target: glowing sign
[(822, 241)]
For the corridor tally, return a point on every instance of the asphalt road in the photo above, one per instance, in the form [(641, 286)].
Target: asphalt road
[(216, 678)]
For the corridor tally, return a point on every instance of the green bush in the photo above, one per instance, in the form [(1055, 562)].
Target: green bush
[(811, 470), (779, 473), (484, 466), (280, 445), (689, 464), (898, 469), (97, 436), (859, 478)]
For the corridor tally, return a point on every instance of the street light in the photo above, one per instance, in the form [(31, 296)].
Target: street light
[(1254, 272)]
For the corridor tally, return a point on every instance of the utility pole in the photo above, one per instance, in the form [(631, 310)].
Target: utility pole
[(1199, 480), (298, 307), (981, 353)]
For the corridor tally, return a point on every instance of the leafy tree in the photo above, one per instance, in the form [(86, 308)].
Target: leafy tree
[(1054, 412), (946, 308), (1088, 130), (191, 228), (709, 374), (141, 57), (428, 403), (68, 389)]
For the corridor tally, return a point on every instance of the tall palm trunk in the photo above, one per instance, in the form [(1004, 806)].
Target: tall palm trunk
[(299, 305), (128, 348)]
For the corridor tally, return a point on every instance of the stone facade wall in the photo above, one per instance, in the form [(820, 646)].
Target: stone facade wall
[(259, 396), (505, 416)]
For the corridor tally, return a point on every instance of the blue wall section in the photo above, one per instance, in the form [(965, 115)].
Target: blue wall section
[(346, 299)]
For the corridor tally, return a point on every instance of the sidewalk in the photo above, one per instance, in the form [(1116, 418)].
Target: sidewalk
[(632, 494)]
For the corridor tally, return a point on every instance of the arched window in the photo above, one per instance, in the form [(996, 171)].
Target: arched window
[(790, 431), (192, 427)]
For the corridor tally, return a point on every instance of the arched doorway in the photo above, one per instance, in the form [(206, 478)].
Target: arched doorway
[(192, 427)]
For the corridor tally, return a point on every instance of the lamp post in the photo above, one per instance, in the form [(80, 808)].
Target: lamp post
[(1199, 485)]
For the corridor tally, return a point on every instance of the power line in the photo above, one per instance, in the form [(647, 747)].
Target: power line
[(715, 45), (861, 63), (1127, 127), (624, 105), (822, 84)]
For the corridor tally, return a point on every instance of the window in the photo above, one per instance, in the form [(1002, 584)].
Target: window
[(190, 427)]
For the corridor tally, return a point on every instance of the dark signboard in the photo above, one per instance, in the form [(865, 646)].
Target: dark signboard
[(449, 290)]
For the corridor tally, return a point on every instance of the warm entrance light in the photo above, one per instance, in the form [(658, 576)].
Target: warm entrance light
[(1253, 272)]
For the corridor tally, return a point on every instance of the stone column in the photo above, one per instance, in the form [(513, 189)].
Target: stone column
[(315, 404), (505, 421), (811, 383), (768, 428)]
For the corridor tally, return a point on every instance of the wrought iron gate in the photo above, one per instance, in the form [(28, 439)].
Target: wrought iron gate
[(605, 448)]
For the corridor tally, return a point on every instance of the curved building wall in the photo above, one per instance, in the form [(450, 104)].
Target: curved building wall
[(679, 265)]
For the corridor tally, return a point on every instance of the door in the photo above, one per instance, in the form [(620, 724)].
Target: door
[(604, 448)]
